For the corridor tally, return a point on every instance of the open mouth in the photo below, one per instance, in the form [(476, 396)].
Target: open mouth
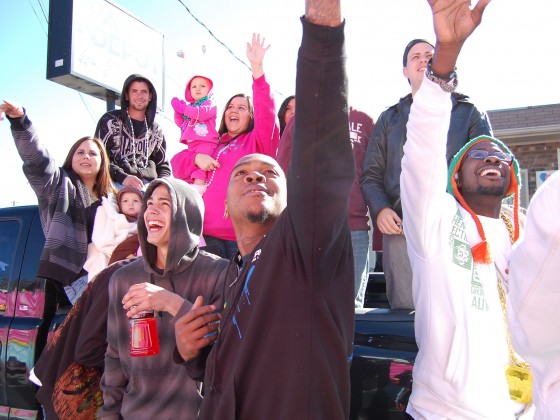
[(256, 190), (491, 172), (154, 225)]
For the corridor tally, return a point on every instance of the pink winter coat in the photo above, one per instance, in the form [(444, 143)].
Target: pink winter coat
[(263, 139)]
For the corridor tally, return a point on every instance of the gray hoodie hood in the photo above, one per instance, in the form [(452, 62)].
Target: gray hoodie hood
[(187, 213)]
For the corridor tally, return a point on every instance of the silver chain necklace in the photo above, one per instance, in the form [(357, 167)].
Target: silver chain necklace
[(141, 163)]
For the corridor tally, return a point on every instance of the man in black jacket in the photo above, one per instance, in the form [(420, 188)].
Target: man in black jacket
[(382, 168), (134, 141)]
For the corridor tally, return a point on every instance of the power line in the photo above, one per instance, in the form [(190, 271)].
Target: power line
[(43, 10), (214, 36), (37, 16), (220, 42), (87, 107)]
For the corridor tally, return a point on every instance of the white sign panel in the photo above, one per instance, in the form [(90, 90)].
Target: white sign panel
[(109, 44), (543, 176)]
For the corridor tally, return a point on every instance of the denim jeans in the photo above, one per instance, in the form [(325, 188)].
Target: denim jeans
[(360, 245), (220, 247), (75, 289)]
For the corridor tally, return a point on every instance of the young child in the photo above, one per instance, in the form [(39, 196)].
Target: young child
[(197, 119), (115, 221)]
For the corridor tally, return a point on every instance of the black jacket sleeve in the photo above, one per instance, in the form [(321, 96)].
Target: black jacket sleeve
[(322, 163)]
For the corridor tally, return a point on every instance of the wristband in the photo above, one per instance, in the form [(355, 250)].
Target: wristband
[(448, 82)]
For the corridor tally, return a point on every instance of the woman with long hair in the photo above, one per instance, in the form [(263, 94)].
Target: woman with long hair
[(246, 127), (67, 196), (287, 110)]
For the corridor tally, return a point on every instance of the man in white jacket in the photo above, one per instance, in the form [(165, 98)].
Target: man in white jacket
[(459, 244), (535, 295)]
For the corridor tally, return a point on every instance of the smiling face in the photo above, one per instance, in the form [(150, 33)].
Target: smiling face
[(86, 160), (417, 60), (483, 178), (157, 219), (138, 96), (256, 191), (130, 204), (237, 116), (199, 88)]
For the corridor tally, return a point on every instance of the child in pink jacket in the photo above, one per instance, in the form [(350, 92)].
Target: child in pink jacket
[(197, 119)]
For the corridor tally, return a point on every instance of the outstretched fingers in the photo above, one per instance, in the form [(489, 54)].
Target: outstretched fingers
[(455, 20), (196, 329), (478, 10), (11, 109)]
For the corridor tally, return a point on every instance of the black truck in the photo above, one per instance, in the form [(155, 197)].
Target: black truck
[(384, 345)]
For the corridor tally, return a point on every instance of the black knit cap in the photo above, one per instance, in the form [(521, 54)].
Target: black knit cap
[(409, 47)]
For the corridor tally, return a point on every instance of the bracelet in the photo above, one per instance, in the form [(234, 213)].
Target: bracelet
[(448, 82)]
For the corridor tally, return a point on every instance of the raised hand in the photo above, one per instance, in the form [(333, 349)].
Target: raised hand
[(256, 51), (454, 22), (11, 109)]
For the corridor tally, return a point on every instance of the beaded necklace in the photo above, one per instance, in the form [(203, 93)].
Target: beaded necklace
[(218, 160), (187, 120), (503, 301), (142, 163), (518, 373)]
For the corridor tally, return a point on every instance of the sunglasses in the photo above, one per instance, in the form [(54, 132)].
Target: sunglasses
[(483, 154)]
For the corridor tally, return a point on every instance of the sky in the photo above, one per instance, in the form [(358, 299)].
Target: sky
[(509, 62)]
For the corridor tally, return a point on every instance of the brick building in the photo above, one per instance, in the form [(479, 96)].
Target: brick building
[(533, 135)]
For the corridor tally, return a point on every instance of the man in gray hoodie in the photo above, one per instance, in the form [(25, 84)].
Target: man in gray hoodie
[(168, 277)]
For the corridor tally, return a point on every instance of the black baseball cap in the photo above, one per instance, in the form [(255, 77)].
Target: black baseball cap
[(409, 47)]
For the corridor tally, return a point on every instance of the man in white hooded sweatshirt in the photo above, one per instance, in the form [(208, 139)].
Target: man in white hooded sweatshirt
[(459, 243)]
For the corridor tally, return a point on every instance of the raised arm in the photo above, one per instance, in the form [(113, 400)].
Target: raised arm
[(323, 12), (256, 51), (428, 125), (38, 166), (454, 22), (11, 109), (322, 162)]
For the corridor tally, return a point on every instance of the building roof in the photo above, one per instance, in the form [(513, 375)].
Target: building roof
[(531, 124), (530, 116)]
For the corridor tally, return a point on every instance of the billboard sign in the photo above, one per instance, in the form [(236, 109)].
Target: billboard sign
[(94, 45)]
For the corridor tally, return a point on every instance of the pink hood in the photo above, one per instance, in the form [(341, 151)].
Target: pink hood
[(188, 95)]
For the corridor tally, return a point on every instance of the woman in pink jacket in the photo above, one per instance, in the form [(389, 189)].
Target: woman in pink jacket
[(246, 127)]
